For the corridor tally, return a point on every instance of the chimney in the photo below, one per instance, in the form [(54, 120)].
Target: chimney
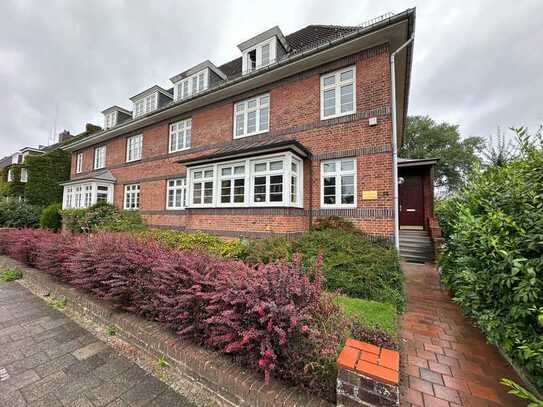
[(65, 135)]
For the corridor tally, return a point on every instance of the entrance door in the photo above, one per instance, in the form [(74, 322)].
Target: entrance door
[(411, 201)]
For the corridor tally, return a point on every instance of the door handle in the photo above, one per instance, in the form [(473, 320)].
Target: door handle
[(410, 210)]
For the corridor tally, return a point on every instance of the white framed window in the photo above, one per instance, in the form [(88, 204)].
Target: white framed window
[(11, 175), (176, 194), (191, 85), (272, 180), (87, 196), (180, 135), (232, 184), (134, 147), (338, 183), (102, 193), (252, 116), (78, 196), (68, 200), (259, 56), (110, 119), (99, 157), (338, 96), (79, 163), (132, 197), (24, 175), (202, 186), (146, 104)]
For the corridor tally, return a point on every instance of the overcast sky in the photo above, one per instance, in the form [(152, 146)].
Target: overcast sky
[(476, 63)]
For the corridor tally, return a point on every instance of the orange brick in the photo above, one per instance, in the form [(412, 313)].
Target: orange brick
[(368, 357), (378, 372), (390, 359), (363, 346), (348, 357)]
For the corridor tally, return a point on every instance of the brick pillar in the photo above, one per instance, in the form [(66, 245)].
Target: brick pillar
[(367, 375)]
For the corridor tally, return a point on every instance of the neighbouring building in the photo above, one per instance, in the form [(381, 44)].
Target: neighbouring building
[(298, 127)]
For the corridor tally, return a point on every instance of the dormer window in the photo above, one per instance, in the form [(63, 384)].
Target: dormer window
[(263, 50), (110, 120), (145, 105), (191, 85)]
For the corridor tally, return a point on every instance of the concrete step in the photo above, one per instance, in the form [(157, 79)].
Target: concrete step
[(426, 251), (416, 258), (416, 246)]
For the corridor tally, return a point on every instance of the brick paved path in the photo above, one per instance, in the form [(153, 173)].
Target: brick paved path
[(48, 360), (447, 361)]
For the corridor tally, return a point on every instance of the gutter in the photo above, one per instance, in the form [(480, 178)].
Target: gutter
[(395, 143)]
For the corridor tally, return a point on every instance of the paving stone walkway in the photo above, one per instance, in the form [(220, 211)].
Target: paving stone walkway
[(47, 359), (446, 361)]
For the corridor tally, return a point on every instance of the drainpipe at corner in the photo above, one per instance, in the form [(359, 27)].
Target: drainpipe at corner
[(395, 144)]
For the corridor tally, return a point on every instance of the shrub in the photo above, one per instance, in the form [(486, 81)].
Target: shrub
[(72, 219), (334, 222), (355, 265), (51, 218), (195, 241), (11, 274), (101, 217), (493, 257), (272, 318), (267, 250), (18, 214)]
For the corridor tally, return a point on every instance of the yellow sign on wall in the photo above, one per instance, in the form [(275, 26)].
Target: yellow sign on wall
[(369, 195)]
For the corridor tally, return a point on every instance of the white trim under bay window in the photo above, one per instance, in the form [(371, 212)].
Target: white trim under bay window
[(176, 194), (338, 183), (271, 180), (338, 93), (252, 116), (99, 157), (180, 135), (134, 146), (131, 197)]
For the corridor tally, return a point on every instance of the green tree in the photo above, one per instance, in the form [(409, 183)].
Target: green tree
[(424, 138)]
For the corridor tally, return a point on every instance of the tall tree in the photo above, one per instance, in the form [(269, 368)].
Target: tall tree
[(424, 138)]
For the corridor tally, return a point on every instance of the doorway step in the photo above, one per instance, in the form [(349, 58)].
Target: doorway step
[(416, 246)]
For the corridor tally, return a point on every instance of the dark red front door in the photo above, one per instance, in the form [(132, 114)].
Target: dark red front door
[(411, 201)]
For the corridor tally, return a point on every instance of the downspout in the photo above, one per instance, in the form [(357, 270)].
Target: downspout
[(395, 144)]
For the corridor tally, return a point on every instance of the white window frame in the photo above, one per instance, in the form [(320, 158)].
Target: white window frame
[(85, 194), (11, 176), (134, 148), (287, 159), (338, 174), (68, 197), (262, 102), (232, 177), (145, 105), (100, 157), (110, 119), (185, 87), (24, 175), (131, 196), (338, 84), (183, 129), (272, 55), (203, 180), (178, 186), (79, 163)]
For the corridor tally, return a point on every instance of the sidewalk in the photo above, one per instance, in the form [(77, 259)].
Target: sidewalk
[(47, 359), (446, 361)]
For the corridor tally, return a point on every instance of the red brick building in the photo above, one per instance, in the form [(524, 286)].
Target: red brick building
[(299, 127)]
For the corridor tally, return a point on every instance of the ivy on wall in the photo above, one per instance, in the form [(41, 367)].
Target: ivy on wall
[(15, 188), (45, 173)]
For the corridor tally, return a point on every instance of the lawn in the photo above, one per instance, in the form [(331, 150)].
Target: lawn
[(372, 314)]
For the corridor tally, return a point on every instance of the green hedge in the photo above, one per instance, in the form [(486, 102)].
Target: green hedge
[(18, 214), (51, 218), (101, 217), (493, 257)]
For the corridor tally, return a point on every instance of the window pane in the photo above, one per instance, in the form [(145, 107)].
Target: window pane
[(329, 191), (251, 122), (347, 165), (329, 102), (293, 189), (329, 80), (276, 188), (276, 165), (347, 75), (264, 100), (260, 167), (347, 98), (225, 191), (208, 173), (240, 125), (208, 192), (226, 171), (263, 119), (197, 195), (240, 169), (239, 190), (251, 104), (198, 175), (347, 189), (260, 189), (329, 167), (265, 54)]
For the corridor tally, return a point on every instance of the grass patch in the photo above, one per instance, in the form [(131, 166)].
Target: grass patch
[(11, 274), (59, 303), (372, 314), (111, 330)]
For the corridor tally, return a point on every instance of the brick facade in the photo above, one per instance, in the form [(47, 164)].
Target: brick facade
[(294, 114)]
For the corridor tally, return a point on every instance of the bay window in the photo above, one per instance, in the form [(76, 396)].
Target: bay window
[(338, 183), (252, 116), (273, 180), (180, 135), (338, 93), (176, 194), (134, 146), (86, 194), (132, 197)]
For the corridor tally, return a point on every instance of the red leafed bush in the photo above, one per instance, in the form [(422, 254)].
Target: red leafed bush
[(270, 317)]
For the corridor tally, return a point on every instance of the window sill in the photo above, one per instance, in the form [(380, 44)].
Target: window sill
[(177, 151), (337, 115), (338, 206), (175, 209), (133, 161), (252, 134)]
